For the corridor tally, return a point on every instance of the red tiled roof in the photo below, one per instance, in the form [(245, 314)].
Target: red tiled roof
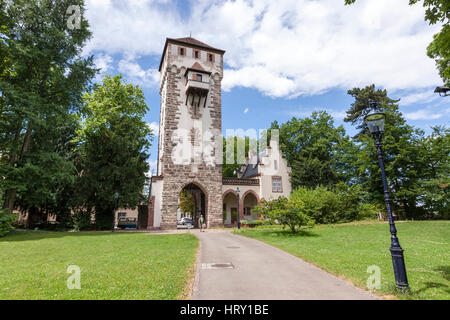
[(197, 66), (192, 42)]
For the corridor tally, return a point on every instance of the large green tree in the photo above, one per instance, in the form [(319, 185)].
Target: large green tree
[(316, 150), (437, 11), (114, 143), (433, 151), (49, 172), (410, 157), (42, 78)]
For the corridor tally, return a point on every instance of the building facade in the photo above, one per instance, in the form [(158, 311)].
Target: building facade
[(190, 144)]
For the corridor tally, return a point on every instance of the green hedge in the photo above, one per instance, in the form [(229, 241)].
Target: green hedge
[(320, 205), (6, 221), (340, 204), (252, 222)]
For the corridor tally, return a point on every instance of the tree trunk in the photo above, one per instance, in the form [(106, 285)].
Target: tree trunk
[(10, 197), (294, 230), (12, 162)]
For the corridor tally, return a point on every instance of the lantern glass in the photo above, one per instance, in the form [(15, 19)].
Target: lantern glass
[(375, 122)]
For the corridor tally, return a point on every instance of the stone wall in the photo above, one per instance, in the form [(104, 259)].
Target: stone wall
[(177, 176)]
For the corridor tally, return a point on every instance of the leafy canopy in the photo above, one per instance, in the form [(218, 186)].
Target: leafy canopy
[(42, 78), (114, 143)]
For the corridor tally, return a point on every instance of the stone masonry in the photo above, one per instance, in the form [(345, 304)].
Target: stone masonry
[(176, 176)]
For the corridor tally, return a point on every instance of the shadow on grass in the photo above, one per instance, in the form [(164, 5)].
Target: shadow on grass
[(283, 233), (33, 235), (432, 285), (445, 271), (425, 286)]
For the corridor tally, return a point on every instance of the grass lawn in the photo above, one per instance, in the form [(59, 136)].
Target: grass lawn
[(347, 250), (33, 265)]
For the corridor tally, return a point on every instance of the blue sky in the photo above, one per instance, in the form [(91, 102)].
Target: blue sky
[(284, 58)]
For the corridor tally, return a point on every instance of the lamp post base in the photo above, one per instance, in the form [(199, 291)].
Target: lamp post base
[(398, 263)]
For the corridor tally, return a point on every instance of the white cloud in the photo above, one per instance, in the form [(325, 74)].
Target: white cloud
[(419, 97), (259, 78), (154, 126), (282, 48), (153, 167), (138, 26), (246, 110), (104, 62), (426, 114), (133, 71), (422, 115)]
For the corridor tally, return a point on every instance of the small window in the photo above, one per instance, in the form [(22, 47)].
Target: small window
[(181, 51), (197, 54), (275, 164), (276, 184), (199, 77), (210, 57)]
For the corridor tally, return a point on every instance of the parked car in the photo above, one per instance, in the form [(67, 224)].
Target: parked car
[(125, 222), (185, 223)]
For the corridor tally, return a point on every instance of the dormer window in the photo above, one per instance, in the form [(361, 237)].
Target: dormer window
[(199, 77)]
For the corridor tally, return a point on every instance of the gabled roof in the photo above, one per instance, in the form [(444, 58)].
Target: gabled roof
[(195, 42), (197, 68), (190, 42)]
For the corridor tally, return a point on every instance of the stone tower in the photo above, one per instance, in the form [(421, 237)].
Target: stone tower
[(190, 132)]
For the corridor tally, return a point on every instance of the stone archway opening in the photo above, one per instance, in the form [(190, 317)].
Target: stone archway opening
[(230, 208), (249, 201), (199, 204)]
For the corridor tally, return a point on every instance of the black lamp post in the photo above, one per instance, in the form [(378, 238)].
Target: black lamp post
[(116, 197), (238, 215), (375, 122)]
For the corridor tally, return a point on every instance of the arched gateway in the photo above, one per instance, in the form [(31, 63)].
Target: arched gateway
[(200, 203)]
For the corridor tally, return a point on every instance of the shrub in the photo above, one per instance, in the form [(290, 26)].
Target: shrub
[(186, 202), (287, 212), (234, 215), (253, 222), (340, 204), (6, 221), (81, 220), (367, 211)]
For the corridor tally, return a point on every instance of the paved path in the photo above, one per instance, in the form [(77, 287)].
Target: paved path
[(261, 272)]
